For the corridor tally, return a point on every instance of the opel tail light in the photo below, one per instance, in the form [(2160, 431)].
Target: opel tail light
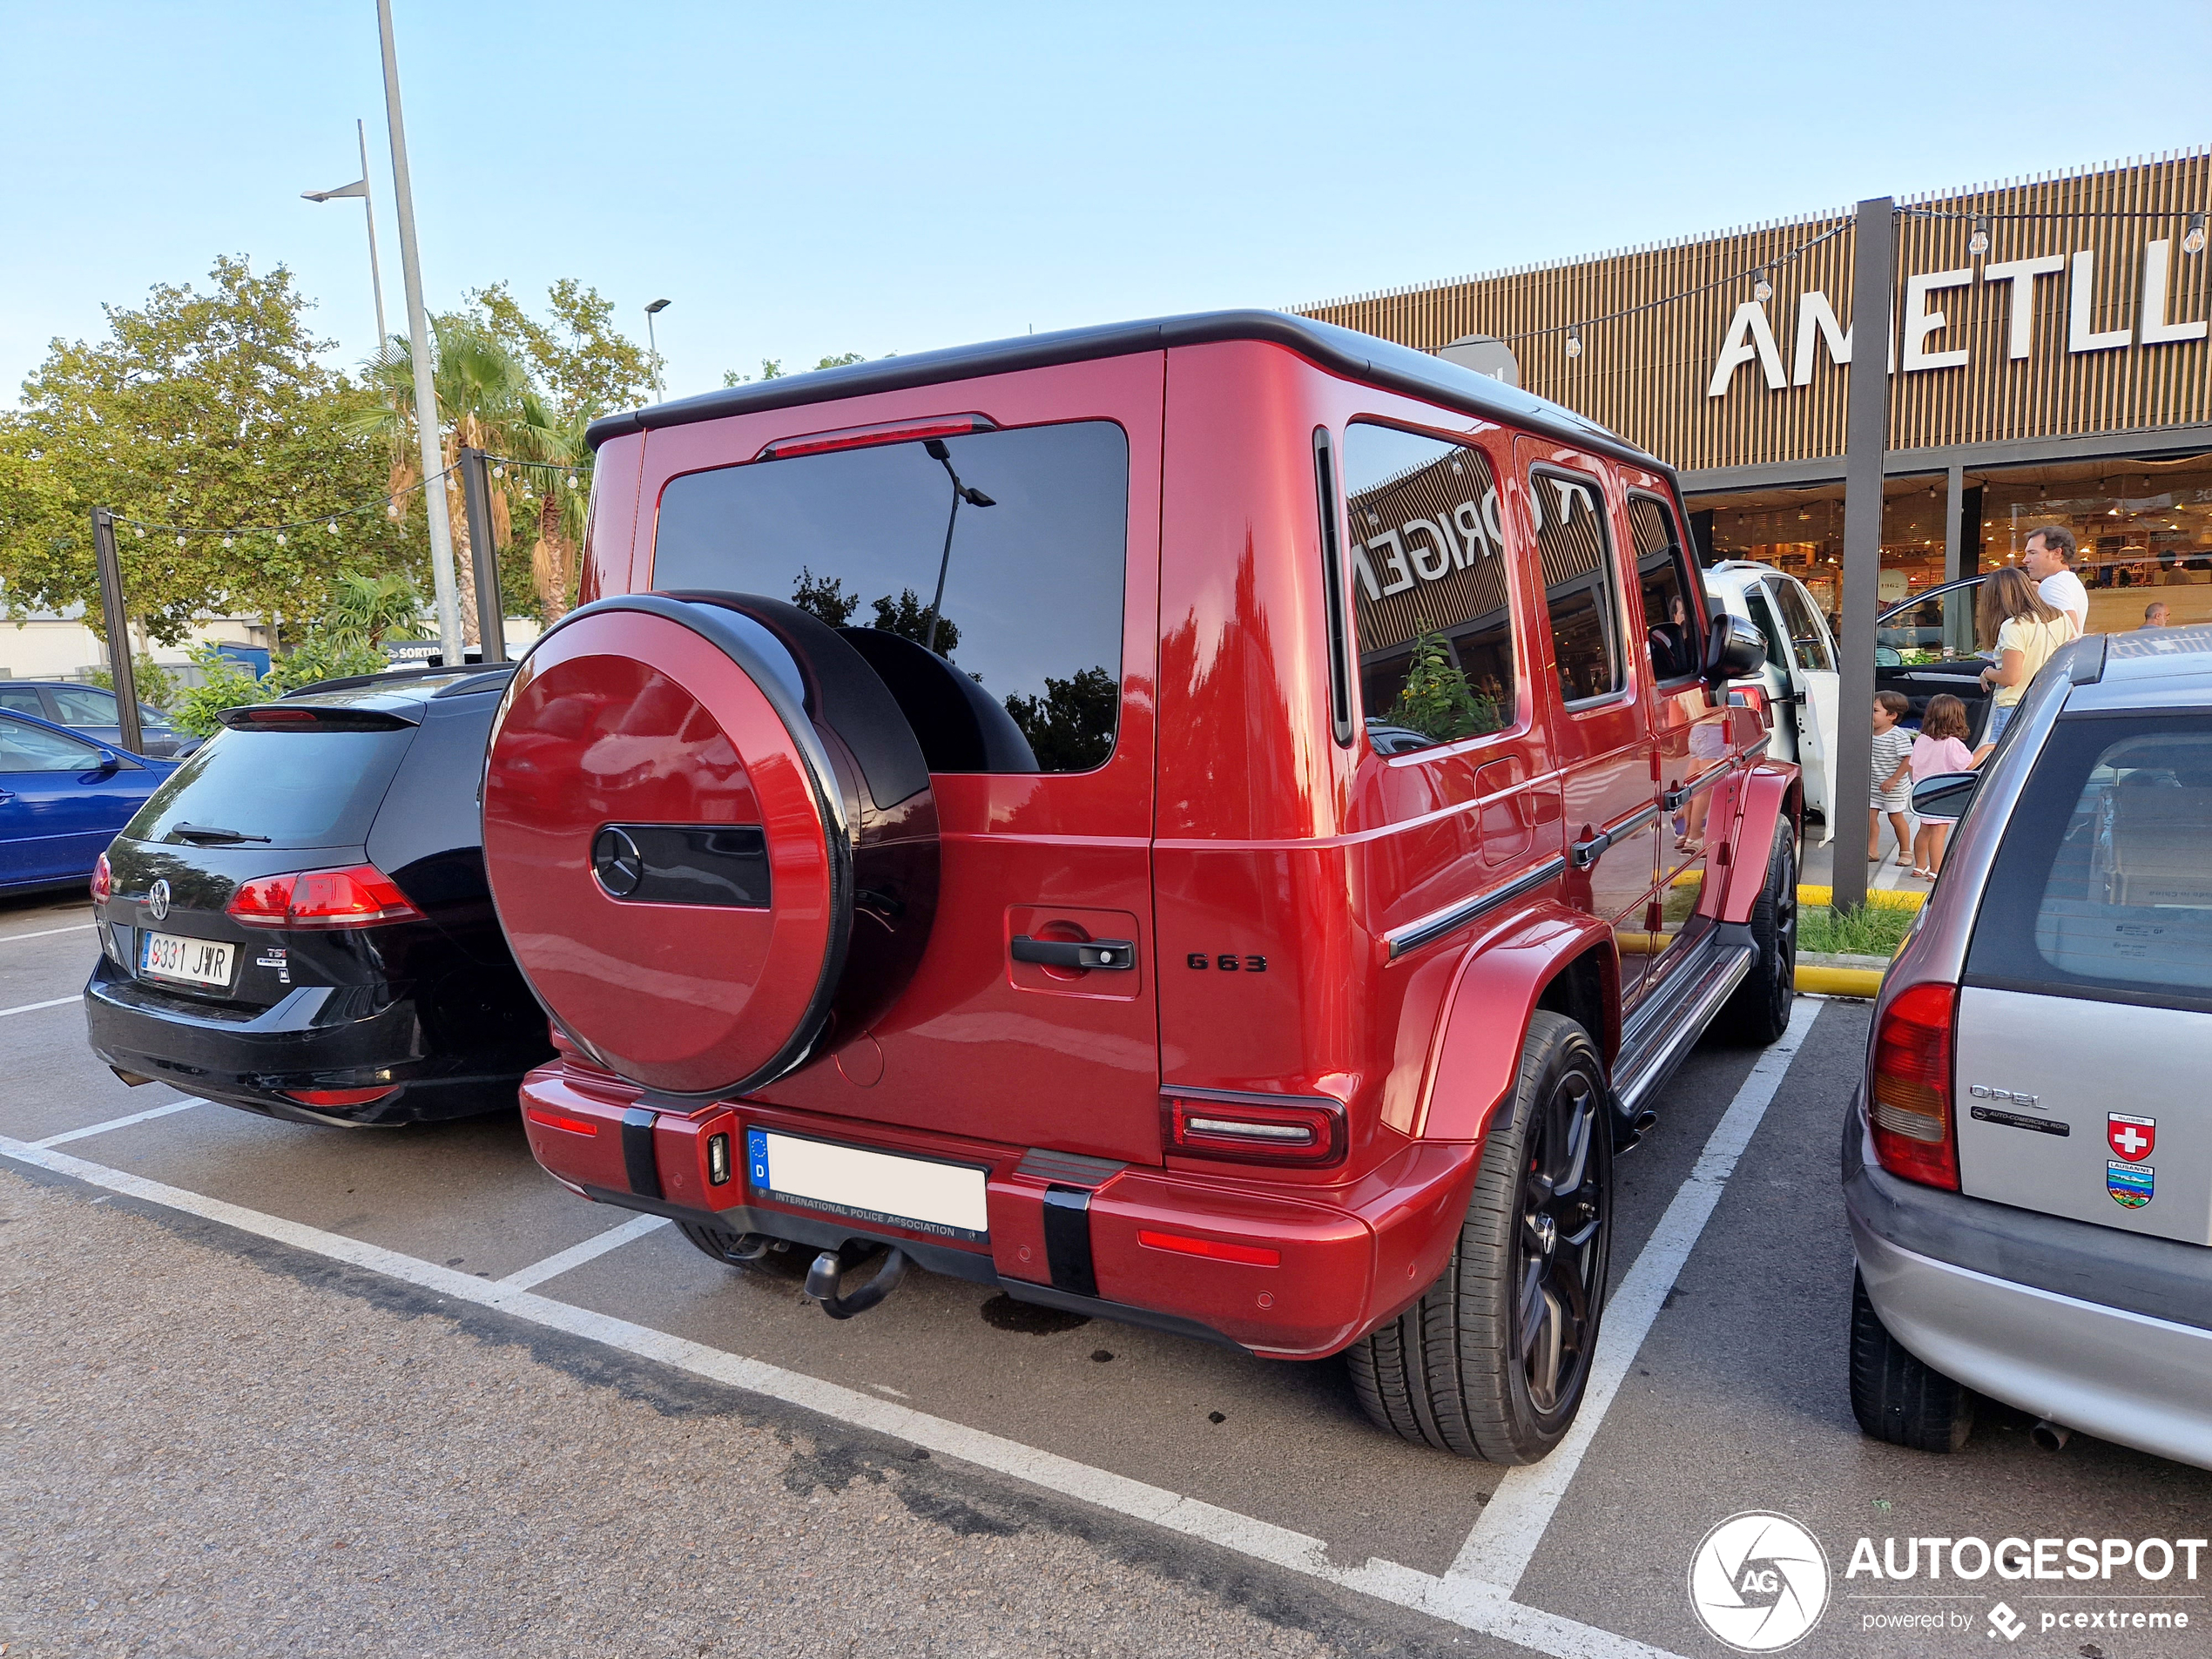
[(102, 881), (1309, 1132), (358, 897), (1909, 1099)]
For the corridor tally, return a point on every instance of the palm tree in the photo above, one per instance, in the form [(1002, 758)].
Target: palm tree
[(557, 444), (363, 609), (485, 402)]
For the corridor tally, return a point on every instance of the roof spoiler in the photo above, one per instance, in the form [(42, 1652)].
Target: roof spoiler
[(313, 717), (2088, 665)]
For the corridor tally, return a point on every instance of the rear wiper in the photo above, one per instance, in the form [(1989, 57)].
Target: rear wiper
[(206, 834)]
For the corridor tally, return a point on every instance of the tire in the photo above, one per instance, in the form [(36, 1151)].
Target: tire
[(1473, 1367), (1758, 1013), (1895, 1397)]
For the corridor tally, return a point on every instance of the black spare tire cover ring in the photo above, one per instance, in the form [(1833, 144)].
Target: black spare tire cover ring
[(697, 614)]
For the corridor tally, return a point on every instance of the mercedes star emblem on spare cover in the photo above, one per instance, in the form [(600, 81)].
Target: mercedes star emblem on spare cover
[(157, 900), (617, 861)]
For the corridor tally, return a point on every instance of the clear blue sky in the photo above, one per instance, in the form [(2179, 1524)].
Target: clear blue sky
[(807, 179)]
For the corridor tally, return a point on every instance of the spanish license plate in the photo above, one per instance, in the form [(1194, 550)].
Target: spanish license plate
[(878, 1188), (190, 961)]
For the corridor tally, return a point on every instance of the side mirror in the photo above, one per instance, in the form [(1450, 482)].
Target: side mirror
[(109, 761), (1734, 649), (1945, 795), (1885, 657)]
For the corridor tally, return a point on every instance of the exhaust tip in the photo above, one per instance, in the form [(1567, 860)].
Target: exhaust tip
[(2051, 1437)]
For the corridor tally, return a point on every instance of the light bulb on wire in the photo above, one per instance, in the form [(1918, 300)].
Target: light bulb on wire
[(1574, 342), (2193, 240), (1762, 290), (1978, 244)]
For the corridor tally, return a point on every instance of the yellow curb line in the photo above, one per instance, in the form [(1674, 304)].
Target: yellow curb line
[(1878, 898), (1839, 981)]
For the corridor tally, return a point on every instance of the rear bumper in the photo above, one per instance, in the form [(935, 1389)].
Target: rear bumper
[(317, 1038), (1062, 1231), (2022, 1306)]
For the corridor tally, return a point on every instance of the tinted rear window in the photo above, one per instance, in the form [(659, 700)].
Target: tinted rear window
[(2102, 887), (298, 788), (1033, 583)]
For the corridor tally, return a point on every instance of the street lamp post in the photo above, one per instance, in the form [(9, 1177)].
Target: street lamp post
[(359, 187), (418, 334), (652, 345)]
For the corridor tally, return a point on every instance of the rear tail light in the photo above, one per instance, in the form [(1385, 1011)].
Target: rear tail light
[(560, 1120), (359, 897), (1909, 1095), (102, 881), (340, 1097), (856, 437), (1253, 1130)]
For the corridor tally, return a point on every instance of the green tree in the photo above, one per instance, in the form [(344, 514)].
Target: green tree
[(201, 411), (1437, 700), (157, 687), (772, 369), (824, 596), (582, 363), (1071, 727), (908, 618), (363, 609), (225, 684)]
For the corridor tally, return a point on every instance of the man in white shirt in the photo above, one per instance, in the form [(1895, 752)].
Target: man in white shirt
[(2050, 551)]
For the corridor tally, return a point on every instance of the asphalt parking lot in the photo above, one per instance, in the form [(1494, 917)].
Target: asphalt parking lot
[(240, 1345)]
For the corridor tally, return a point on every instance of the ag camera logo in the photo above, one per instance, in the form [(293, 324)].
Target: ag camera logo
[(1758, 1583)]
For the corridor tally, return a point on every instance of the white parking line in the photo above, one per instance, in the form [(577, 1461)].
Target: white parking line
[(576, 1255), (1455, 1597), (33, 1007), (1498, 1551), (185, 1104), (48, 933)]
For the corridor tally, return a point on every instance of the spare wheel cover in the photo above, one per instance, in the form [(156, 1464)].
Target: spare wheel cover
[(645, 740)]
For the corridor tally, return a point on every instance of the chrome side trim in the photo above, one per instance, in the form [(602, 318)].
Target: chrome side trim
[(1437, 923)]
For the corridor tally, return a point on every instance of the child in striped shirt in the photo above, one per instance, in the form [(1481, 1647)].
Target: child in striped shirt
[(1891, 796)]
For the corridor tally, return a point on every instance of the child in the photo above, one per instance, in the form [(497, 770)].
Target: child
[(1891, 795), (1940, 747)]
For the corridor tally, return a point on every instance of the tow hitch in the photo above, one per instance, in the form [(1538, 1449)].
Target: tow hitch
[(822, 1281)]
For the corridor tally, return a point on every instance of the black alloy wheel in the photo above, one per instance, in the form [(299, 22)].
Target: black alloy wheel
[(1494, 1358), (1563, 1222), (1758, 1013)]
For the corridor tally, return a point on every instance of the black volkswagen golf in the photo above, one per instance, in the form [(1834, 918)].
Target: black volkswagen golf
[(297, 921)]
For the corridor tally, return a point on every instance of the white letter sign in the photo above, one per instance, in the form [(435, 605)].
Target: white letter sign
[(1749, 337), (2081, 294), (1920, 322)]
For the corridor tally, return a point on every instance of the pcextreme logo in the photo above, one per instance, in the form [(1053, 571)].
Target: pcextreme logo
[(1758, 1583)]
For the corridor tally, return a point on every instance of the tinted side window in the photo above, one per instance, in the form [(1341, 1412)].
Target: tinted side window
[(84, 705), (1429, 591), (24, 699), (1579, 589), (1807, 644), (33, 748), (1670, 632), (2101, 885), (1032, 609)]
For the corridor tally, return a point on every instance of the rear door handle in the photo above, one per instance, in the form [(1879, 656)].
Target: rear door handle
[(1075, 953)]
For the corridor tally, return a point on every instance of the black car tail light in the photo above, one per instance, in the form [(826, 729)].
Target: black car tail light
[(102, 881), (1908, 1102), (359, 896), (341, 1097), (1253, 1130)]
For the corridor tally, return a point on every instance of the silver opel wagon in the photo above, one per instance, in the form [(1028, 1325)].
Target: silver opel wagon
[(2028, 1165)]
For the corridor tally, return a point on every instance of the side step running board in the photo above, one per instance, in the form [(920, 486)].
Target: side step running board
[(1662, 1033)]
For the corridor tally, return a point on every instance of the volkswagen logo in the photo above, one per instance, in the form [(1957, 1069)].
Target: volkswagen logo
[(158, 900), (1760, 1583), (616, 860)]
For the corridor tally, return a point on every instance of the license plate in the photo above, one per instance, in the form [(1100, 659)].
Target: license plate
[(919, 1194), (191, 962)]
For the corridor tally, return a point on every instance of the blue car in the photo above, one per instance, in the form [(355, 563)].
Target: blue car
[(62, 797), (89, 711)]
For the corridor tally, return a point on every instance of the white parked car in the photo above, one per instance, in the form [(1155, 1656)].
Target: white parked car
[(1798, 682)]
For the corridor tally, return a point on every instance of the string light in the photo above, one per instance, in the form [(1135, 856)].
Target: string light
[(1575, 341), (332, 527), (228, 541), (499, 472), (571, 480), (2193, 241), (1762, 290), (1978, 244)]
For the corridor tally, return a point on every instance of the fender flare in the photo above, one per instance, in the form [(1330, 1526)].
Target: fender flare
[(1500, 981), (1771, 791)]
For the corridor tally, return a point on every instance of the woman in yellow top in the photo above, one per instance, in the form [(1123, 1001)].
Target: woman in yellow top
[(2022, 631)]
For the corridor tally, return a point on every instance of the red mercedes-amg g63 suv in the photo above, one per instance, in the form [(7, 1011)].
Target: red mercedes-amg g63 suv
[(1222, 823)]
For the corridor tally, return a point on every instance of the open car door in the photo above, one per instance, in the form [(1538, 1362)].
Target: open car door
[(1814, 689)]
